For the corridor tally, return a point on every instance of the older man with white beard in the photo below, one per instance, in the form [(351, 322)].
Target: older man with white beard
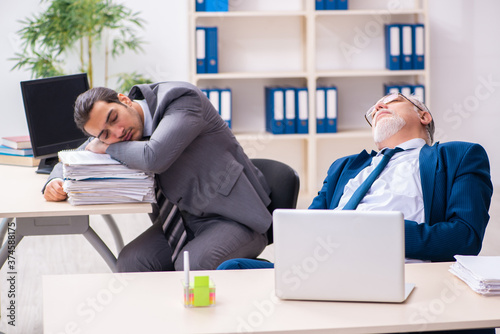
[(443, 190)]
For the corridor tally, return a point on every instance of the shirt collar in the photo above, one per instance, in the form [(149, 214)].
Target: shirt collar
[(148, 119), (408, 145)]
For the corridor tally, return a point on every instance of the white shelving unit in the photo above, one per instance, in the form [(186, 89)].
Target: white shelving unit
[(289, 43)]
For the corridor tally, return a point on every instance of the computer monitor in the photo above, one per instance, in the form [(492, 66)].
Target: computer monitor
[(49, 104)]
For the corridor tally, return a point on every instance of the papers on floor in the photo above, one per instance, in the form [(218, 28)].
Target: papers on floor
[(91, 178), (481, 273)]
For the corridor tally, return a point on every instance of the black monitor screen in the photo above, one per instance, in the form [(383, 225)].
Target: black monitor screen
[(49, 104)]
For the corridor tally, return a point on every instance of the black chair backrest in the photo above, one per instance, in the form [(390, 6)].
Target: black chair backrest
[(284, 183)]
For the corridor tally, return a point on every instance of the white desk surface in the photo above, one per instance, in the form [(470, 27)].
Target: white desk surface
[(152, 303), (21, 196)]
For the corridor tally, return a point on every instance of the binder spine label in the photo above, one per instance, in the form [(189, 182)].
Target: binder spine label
[(419, 48), (213, 96), (331, 109), (279, 113), (302, 110), (303, 105), (200, 51), (393, 46), (320, 110), (406, 47), (225, 106), (320, 104), (394, 41), (290, 110)]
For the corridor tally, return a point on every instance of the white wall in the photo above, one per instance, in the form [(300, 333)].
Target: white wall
[(465, 64), (164, 57), (465, 73)]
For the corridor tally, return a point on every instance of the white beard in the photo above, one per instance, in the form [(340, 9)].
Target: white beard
[(387, 127)]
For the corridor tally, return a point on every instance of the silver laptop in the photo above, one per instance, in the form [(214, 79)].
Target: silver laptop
[(340, 255)]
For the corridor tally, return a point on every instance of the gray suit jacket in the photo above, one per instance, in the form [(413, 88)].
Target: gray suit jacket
[(199, 164)]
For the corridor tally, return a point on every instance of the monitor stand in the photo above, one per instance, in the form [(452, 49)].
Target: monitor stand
[(46, 165)]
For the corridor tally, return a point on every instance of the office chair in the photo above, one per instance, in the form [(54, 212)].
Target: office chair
[(284, 183)]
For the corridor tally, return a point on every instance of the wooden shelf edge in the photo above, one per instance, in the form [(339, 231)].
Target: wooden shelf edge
[(366, 73), (305, 75), (291, 13), (303, 13), (266, 136), (250, 75), (345, 134), (363, 12)]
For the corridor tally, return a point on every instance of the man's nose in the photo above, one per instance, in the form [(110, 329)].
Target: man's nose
[(118, 132), (380, 105), (374, 110)]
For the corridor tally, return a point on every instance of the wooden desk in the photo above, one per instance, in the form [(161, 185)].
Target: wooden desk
[(245, 302), (21, 198)]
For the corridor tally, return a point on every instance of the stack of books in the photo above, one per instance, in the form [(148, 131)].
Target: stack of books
[(16, 150), (91, 178), (481, 273)]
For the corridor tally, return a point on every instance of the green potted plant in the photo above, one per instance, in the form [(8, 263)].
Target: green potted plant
[(78, 25)]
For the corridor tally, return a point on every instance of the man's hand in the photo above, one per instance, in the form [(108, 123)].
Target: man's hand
[(54, 191), (97, 146)]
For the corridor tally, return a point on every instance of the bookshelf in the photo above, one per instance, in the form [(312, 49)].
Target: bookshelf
[(290, 43)]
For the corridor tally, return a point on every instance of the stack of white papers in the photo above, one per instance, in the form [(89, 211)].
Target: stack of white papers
[(481, 273), (91, 178)]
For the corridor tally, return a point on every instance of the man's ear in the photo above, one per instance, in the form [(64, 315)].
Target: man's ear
[(425, 118), (124, 99)]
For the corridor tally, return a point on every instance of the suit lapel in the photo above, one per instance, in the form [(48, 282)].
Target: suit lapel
[(360, 162), (428, 164), (144, 91)]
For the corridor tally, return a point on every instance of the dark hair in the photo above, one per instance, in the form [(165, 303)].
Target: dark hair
[(85, 102)]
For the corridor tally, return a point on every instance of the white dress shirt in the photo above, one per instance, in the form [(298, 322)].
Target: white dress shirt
[(398, 188)]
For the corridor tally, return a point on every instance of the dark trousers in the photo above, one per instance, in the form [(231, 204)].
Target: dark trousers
[(210, 241)]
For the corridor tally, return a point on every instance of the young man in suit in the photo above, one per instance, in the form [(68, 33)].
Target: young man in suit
[(172, 130), (443, 190)]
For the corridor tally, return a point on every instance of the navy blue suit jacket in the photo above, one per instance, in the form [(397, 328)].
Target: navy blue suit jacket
[(456, 190)]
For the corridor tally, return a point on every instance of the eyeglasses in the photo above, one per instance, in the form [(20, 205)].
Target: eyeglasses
[(386, 100)]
